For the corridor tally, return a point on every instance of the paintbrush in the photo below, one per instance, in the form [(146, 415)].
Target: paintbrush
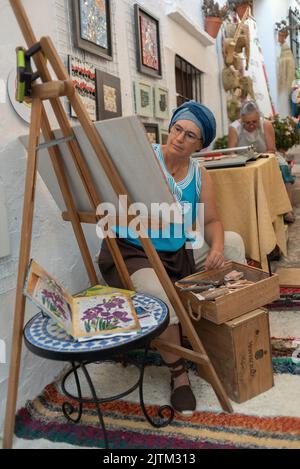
[(197, 289), (214, 283)]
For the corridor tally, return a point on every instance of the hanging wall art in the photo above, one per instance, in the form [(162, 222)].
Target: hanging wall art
[(109, 102), (161, 102), (143, 94), (152, 131), (93, 27), (164, 134), (148, 43), (83, 76)]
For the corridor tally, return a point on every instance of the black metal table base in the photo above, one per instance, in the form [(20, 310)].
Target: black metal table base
[(165, 414)]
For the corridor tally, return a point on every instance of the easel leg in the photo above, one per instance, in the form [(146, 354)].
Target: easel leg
[(186, 322), (25, 246)]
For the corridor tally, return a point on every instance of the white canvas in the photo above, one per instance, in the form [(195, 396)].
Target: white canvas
[(132, 155)]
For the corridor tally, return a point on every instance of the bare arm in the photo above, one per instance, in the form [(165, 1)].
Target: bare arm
[(232, 138), (213, 228), (269, 136)]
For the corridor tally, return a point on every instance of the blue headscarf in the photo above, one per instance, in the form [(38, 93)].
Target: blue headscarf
[(201, 116)]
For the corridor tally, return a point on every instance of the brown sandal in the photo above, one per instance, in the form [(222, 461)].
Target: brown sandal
[(182, 398)]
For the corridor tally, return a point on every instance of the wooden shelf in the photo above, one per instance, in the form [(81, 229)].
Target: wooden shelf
[(180, 18)]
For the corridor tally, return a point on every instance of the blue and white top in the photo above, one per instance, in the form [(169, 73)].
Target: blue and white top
[(187, 192)]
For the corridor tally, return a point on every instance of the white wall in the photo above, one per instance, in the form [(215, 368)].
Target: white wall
[(53, 244), (267, 13)]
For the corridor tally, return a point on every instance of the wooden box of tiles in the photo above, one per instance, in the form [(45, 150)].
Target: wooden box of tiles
[(240, 352), (224, 294)]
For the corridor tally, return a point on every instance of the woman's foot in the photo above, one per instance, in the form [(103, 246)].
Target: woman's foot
[(289, 217), (182, 396)]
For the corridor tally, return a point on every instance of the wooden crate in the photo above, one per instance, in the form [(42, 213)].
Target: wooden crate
[(263, 291), (240, 351)]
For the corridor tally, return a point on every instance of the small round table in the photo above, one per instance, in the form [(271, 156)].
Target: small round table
[(46, 339)]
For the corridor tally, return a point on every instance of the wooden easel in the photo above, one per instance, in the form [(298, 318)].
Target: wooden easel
[(52, 91)]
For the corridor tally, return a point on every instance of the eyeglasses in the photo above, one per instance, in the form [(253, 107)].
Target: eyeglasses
[(250, 122), (188, 135)]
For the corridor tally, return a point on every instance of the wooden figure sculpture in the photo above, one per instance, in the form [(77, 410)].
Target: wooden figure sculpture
[(246, 85), (230, 44), (286, 67), (231, 78), (233, 108)]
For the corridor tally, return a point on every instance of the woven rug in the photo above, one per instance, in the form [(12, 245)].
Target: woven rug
[(286, 301), (209, 428)]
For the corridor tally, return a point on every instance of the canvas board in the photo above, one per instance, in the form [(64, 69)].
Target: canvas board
[(134, 159)]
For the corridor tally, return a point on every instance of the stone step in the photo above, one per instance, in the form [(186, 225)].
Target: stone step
[(286, 233), (295, 151), (296, 169), (296, 195)]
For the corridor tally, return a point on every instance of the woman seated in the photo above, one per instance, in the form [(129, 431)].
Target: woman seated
[(192, 128), (253, 129)]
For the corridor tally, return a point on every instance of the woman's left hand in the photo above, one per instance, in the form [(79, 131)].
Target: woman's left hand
[(214, 260)]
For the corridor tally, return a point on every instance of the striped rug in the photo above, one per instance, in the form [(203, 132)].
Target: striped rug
[(127, 427)]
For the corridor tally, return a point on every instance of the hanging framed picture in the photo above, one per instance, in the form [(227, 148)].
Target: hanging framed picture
[(148, 42), (109, 101), (143, 95), (161, 102), (152, 131), (83, 76), (164, 134), (93, 27)]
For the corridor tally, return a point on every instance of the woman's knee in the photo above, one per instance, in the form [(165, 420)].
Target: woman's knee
[(146, 281), (234, 248)]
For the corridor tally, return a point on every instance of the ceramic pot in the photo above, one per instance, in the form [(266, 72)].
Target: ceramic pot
[(212, 25), (241, 9)]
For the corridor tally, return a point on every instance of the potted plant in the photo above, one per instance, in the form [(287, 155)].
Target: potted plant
[(240, 6), (214, 16), (221, 143), (287, 133)]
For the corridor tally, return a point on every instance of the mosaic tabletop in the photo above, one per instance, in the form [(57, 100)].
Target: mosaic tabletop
[(43, 333)]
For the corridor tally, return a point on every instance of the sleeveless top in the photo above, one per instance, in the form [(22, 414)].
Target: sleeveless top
[(172, 237), (256, 138)]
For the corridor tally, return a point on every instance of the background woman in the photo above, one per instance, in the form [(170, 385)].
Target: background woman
[(253, 129)]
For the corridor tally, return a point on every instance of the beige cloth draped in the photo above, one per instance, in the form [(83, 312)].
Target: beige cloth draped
[(251, 201)]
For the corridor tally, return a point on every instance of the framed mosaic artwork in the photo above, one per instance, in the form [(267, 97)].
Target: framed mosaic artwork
[(148, 42), (152, 131), (84, 78), (93, 27), (143, 95), (109, 101), (161, 102), (164, 134)]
